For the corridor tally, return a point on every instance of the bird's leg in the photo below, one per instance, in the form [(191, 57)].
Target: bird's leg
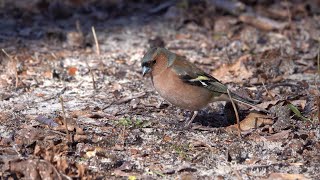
[(189, 121)]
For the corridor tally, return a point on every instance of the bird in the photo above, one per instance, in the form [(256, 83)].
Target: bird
[(183, 84)]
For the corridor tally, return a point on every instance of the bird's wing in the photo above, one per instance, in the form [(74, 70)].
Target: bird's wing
[(192, 75)]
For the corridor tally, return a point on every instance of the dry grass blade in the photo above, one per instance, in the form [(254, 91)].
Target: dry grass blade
[(318, 98), (318, 60), (289, 13), (15, 67), (65, 119), (265, 88), (96, 40), (92, 76), (318, 102), (235, 112)]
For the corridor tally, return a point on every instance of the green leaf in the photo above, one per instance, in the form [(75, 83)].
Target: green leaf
[(296, 111)]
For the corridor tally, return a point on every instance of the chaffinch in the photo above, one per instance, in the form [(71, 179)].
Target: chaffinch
[(183, 84)]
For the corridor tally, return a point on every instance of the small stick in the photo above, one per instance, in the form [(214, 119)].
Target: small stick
[(15, 67), (289, 13), (228, 57), (318, 60), (126, 99), (96, 40), (54, 55), (265, 88), (52, 166), (235, 112), (78, 26), (236, 172), (65, 119), (318, 102), (318, 98), (92, 76)]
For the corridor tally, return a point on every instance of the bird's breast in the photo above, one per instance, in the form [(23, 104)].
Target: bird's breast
[(180, 94)]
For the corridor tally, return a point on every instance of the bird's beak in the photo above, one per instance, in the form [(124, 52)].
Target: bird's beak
[(145, 70)]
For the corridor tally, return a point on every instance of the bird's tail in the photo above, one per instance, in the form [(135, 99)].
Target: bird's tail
[(247, 101)]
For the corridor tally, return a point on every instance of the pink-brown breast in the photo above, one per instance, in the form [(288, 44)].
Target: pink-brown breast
[(180, 94)]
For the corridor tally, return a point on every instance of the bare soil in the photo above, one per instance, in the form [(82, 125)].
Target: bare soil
[(52, 78)]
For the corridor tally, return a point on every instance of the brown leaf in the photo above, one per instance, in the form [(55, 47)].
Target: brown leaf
[(62, 164), (285, 176), (35, 169), (260, 22), (80, 138), (124, 170), (278, 136), (28, 135), (47, 74), (253, 120), (299, 103), (47, 121), (167, 138), (267, 104), (81, 170), (236, 72)]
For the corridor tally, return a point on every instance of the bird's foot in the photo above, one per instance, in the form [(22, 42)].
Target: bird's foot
[(190, 120)]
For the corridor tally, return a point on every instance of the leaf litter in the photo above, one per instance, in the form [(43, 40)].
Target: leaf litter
[(121, 127)]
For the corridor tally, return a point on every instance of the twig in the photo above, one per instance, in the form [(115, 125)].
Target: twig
[(318, 59), (265, 88), (92, 76), (63, 90), (235, 112), (54, 55), (318, 103), (15, 67), (318, 98), (262, 22), (52, 166), (232, 7), (96, 40), (16, 150), (259, 94), (57, 132), (283, 84), (228, 57), (78, 27), (126, 99), (106, 106), (65, 119), (289, 13), (236, 172)]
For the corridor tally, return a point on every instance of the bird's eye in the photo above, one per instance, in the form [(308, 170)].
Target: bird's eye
[(154, 61)]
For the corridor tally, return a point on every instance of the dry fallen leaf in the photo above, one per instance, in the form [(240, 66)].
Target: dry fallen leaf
[(263, 23), (278, 136), (47, 121), (90, 154), (236, 72), (267, 104), (285, 176), (253, 120), (299, 103), (35, 169), (125, 170)]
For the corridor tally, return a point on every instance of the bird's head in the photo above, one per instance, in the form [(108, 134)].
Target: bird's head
[(156, 60)]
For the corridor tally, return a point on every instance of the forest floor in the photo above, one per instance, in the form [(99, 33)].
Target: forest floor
[(52, 76)]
